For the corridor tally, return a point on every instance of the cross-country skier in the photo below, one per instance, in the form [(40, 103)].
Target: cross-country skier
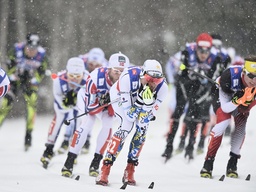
[(141, 91), (94, 99)]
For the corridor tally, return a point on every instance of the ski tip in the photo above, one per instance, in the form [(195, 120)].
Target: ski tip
[(77, 177), (222, 178), (26, 148), (124, 185), (151, 186), (166, 159), (248, 177), (45, 167)]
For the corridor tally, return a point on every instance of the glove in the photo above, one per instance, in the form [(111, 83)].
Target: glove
[(148, 96), (133, 113), (145, 117), (34, 81), (70, 98), (104, 99), (183, 70), (244, 97)]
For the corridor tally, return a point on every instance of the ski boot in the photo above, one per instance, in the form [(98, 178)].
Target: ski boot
[(129, 172), (66, 171), (28, 140), (232, 166), (181, 145), (94, 167), (47, 155), (200, 147), (64, 146), (168, 152), (206, 171), (169, 146), (102, 178), (189, 152)]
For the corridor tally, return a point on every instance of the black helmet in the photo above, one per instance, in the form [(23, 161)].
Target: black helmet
[(216, 36), (216, 40), (33, 40)]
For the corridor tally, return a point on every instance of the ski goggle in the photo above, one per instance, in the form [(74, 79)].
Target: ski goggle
[(74, 76), (248, 74), (151, 79), (203, 50)]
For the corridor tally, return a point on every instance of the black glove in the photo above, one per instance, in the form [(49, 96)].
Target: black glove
[(104, 99), (70, 98)]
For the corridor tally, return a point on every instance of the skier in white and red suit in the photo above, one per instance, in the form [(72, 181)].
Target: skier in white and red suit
[(95, 98)]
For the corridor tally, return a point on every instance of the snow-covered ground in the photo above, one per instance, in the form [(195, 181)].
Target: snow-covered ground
[(22, 171)]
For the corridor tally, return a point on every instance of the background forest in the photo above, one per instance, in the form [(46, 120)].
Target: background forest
[(141, 29)]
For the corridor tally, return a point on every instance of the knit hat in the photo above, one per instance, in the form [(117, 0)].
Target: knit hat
[(96, 54), (204, 40), (75, 65), (119, 60)]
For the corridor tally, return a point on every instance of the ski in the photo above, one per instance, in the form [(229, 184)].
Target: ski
[(151, 185), (45, 166), (166, 159), (248, 178), (76, 177), (73, 176), (124, 185), (179, 152), (222, 178)]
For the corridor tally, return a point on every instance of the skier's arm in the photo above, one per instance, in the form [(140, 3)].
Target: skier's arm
[(225, 94), (40, 72)]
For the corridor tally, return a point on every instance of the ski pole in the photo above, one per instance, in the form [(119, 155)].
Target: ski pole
[(67, 122), (183, 67), (55, 76)]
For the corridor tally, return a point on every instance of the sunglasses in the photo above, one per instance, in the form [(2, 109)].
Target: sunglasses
[(74, 76), (151, 79), (248, 74)]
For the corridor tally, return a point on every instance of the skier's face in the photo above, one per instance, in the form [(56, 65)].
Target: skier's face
[(202, 53), (75, 77), (114, 73), (30, 51), (250, 79), (93, 65)]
